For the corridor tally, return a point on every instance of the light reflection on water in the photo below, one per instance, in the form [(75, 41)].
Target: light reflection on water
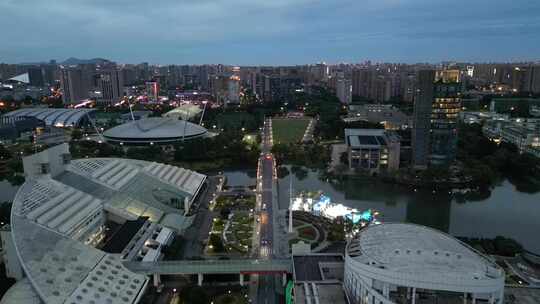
[(505, 212)]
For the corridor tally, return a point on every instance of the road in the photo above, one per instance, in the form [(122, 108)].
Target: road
[(203, 221), (266, 290)]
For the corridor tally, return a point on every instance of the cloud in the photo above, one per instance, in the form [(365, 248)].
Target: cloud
[(186, 31)]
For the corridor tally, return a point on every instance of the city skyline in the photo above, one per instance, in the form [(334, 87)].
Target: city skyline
[(278, 33)]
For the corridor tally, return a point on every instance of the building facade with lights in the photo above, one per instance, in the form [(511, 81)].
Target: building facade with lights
[(403, 263), (372, 150), (436, 113)]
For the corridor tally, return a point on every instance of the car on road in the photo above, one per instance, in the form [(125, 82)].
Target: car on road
[(264, 206)]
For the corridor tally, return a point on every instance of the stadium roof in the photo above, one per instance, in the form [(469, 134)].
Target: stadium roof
[(154, 129), (53, 116), (421, 252)]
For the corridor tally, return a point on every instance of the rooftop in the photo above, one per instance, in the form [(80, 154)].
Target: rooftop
[(155, 128), (418, 250), (53, 116), (310, 267), (54, 216)]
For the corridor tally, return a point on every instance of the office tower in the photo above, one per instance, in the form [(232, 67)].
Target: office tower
[(111, 86), (436, 110), (344, 90), (35, 76), (74, 85), (422, 117)]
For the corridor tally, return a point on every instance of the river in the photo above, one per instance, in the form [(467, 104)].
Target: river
[(506, 212)]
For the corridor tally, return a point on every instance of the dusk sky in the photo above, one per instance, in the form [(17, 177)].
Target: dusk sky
[(258, 32)]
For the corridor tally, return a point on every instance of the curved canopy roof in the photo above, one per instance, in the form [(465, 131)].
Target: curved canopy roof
[(421, 252), (53, 116), (155, 129)]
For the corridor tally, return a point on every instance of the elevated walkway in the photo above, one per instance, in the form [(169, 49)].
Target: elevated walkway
[(185, 267)]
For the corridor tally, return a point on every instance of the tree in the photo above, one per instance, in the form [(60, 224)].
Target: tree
[(5, 212), (4, 153), (144, 153), (76, 134), (344, 158), (217, 244), (282, 172), (195, 295), (224, 213)]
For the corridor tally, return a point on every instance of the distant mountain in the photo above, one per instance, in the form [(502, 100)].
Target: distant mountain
[(74, 61)]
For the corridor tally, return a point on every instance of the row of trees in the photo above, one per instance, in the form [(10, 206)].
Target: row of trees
[(308, 155), (12, 167), (487, 162), (229, 146)]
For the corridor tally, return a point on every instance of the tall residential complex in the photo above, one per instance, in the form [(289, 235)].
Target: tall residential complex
[(111, 86), (74, 85), (344, 90), (438, 102)]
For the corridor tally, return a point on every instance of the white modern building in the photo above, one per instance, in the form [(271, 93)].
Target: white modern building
[(154, 130), (401, 263), (74, 223)]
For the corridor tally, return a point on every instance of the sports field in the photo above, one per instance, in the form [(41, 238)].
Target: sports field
[(288, 130)]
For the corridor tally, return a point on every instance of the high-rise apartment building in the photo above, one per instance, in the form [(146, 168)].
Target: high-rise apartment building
[(344, 90), (436, 110), (233, 91), (35, 76), (111, 86), (74, 85)]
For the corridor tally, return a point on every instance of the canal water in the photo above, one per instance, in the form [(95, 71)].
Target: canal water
[(505, 212)]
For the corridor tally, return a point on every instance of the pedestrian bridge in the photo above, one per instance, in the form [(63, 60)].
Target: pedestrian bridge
[(238, 266)]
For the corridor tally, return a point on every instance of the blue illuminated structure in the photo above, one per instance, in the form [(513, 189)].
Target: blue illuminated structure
[(366, 216)]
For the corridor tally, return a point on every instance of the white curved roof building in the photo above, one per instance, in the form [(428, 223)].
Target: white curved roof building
[(154, 130), (389, 263), (58, 219), (53, 116)]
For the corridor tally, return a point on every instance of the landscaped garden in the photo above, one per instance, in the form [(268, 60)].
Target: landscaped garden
[(288, 130), (231, 236), (317, 231), (235, 202)]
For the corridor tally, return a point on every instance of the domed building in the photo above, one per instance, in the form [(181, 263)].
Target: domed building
[(154, 130), (401, 263)]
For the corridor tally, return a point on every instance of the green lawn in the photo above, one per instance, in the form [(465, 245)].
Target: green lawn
[(288, 130)]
